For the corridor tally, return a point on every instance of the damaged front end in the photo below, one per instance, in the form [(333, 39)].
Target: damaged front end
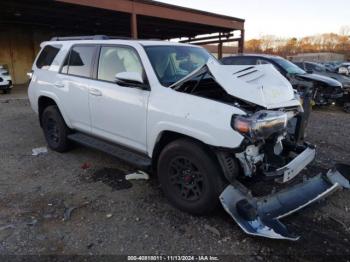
[(273, 149), (275, 152)]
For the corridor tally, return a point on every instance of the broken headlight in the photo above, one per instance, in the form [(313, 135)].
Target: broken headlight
[(261, 124)]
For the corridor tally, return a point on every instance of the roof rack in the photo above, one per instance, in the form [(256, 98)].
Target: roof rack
[(87, 37)]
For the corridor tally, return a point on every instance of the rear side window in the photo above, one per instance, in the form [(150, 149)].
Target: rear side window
[(47, 56), (79, 61)]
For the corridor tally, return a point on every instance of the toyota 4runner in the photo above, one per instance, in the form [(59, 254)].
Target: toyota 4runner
[(174, 110)]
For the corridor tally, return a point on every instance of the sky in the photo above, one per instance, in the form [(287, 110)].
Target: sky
[(283, 18)]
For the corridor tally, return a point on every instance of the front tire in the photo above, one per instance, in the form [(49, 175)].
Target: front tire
[(190, 177), (55, 129)]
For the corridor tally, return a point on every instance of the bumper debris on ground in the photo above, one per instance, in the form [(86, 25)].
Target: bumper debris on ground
[(261, 216)]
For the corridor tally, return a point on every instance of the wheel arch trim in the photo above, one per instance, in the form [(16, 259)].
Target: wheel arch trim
[(55, 98)]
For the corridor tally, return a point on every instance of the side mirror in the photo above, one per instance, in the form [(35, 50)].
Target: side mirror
[(131, 79)]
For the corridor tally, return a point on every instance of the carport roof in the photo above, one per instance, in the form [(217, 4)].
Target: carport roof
[(111, 17)]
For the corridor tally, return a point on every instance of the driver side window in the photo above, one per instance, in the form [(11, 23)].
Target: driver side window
[(114, 60)]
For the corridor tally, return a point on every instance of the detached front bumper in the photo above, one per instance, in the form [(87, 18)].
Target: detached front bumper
[(260, 216)]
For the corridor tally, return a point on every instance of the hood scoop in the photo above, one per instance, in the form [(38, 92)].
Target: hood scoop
[(248, 74)]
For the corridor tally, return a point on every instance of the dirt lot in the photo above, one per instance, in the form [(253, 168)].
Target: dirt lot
[(37, 191)]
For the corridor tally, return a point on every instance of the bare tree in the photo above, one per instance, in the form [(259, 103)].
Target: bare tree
[(318, 43), (345, 30)]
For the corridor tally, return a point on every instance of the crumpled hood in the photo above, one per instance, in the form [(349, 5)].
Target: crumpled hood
[(259, 84)]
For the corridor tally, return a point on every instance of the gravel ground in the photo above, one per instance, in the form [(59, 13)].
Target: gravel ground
[(37, 191)]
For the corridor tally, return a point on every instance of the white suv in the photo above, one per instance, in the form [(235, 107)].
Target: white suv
[(174, 110), (5, 80)]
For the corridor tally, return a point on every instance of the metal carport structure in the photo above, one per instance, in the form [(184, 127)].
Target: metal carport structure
[(25, 23)]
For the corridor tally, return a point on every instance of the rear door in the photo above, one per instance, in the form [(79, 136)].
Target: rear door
[(119, 113), (74, 83)]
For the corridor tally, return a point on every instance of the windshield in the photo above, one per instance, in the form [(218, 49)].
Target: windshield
[(289, 66), (172, 63)]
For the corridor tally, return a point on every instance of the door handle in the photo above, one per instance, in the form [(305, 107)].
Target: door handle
[(59, 85), (95, 92)]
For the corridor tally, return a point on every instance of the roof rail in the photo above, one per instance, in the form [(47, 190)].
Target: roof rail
[(88, 37)]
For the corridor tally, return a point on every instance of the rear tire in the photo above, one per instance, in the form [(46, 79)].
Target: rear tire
[(55, 129), (190, 177)]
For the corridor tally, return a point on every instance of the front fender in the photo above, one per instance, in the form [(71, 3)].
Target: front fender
[(224, 139), (203, 119)]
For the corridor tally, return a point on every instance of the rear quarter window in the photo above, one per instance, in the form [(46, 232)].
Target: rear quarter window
[(47, 56), (79, 61)]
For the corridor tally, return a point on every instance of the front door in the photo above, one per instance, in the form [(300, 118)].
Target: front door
[(118, 113)]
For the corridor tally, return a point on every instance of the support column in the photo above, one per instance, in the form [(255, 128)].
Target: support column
[(134, 31), (220, 50), (220, 47), (241, 43)]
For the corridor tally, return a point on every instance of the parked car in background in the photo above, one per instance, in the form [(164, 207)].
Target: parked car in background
[(5, 79), (331, 66), (315, 68), (325, 89), (343, 69)]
